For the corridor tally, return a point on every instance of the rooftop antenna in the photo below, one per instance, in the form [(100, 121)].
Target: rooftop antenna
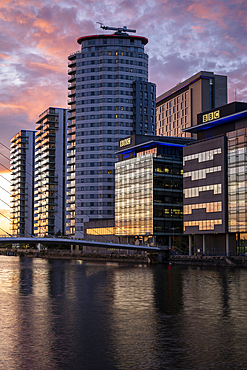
[(124, 29)]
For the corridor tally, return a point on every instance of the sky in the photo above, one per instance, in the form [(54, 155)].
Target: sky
[(185, 37)]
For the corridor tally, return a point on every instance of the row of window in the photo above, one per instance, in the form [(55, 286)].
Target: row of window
[(111, 77), (100, 116), (203, 156), (194, 192), (101, 231), (111, 53), (86, 180), (100, 108), (105, 92), (95, 164), (203, 224), (90, 188), (100, 124), (201, 174), (105, 100), (173, 102), (209, 207), (175, 116), (94, 196), (100, 132), (95, 148), (100, 140), (237, 170), (95, 62), (240, 187), (96, 212), (107, 84), (176, 108), (108, 69)]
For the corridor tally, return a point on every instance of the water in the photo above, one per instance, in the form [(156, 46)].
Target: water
[(62, 314)]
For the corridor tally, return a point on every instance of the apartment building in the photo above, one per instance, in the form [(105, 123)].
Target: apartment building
[(50, 173), (109, 98), (177, 108), (22, 186)]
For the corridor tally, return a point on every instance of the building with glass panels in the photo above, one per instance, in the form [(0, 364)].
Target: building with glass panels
[(22, 193), (214, 171), (109, 98), (177, 108), (149, 189), (50, 173)]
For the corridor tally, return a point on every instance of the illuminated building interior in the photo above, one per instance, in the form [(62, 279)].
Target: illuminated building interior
[(215, 194), (148, 195)]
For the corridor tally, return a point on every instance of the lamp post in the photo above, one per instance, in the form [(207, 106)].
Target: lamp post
[(173, 229)]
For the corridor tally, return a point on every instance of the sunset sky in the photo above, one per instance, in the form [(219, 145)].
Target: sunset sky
[(185, 36)]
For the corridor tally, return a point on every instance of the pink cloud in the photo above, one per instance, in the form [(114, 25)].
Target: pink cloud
[(184, 37)]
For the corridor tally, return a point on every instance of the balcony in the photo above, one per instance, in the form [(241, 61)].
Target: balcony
[(72, 92), (72, 63), (71, 100), (71, 85), (72, 78), (71, 70)]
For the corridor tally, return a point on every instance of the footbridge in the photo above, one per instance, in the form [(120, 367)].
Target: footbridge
[(73, 242)]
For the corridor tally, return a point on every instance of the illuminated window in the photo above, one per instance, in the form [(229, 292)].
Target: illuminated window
[(210, 207), (203, 224), (194, 192), (201, 174), (203, 156)]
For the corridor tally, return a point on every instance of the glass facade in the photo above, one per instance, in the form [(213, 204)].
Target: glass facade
[(134, 196), (237, 190), (149, 189)]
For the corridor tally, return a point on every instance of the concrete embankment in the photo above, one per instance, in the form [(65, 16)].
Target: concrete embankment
[(234, 261), (107, 257)]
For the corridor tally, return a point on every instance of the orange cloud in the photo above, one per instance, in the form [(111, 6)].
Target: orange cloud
[(45, 25)]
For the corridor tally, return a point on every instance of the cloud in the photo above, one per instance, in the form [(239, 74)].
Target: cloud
[(185, 36)]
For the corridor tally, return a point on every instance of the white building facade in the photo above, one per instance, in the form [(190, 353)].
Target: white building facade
[(50, 173)]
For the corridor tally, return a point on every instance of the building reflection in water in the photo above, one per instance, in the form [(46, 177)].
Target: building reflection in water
[(214, 308), (134, 326), (63, 314)]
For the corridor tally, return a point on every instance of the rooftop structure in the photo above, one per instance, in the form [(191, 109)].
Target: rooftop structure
[(177, 108)]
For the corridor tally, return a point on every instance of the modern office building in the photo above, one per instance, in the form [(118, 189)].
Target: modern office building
[(22, 167), (178, 107), (109, 98), (215, 195), (149, 189), (50, 173)]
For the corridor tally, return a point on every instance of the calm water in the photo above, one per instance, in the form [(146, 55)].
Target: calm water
[(57, 314)]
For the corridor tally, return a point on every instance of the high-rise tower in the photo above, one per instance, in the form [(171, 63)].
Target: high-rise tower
[(50, 172), (22, 167), (110, 98)]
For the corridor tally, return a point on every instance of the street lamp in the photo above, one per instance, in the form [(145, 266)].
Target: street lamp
[(173, 229)]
